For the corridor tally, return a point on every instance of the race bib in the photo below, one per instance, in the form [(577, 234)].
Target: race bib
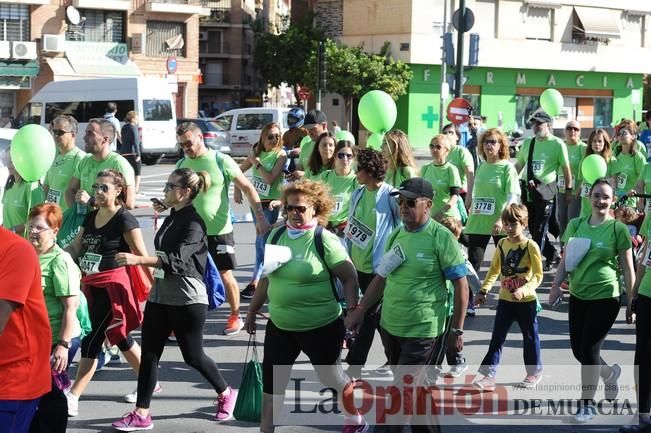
[(483, 206), (81, 209), (159, 272), (358, 233), (585, 190), (261, 186), (647, 206), (561, 182), (339, 204), (89, 263), (647, 262), (621, 180), (537, 167), (390, 261), (53, 196)]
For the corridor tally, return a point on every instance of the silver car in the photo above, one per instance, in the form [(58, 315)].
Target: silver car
[(213, 135)]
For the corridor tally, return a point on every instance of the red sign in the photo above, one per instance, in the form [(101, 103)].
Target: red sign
[(304, 93), (459, 111)]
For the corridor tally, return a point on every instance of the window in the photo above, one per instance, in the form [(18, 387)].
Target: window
[(85, 110), (603, 112), (225, 122), (214, 75), (99, 26), (253, 121), (157, 109), (14, 22), (524, 107), (539, 24), (160, 34)]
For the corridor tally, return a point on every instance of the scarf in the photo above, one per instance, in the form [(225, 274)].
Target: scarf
[(296, 232)]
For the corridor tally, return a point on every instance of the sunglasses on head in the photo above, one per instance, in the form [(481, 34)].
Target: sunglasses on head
[(101, 187), (290, 208), (343, 155), (273, 137), (624, 132), (59, 132), (572, 128)]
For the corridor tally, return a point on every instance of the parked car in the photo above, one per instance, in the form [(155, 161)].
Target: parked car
[(214, 135), (6, 135), (244, 125)]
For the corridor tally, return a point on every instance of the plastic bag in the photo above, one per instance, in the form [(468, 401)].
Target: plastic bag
[(248, 406), (72, 222), (214, 285)]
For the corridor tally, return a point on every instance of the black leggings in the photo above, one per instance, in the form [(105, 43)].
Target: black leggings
[(358, 351), (187, 322), (101, 314), (589, 322), (477, 248), (643, 352)]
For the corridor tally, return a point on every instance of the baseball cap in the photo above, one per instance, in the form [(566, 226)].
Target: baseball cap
[(415, 187), (314, 117), (541, 116)]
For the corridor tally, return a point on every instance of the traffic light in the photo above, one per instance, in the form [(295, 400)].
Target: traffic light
[(473, 50), (323, 65), (448, 49)]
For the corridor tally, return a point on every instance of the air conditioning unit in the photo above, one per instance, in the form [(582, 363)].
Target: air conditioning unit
[(23, 50), (5, 50), (203, 36), (53, 43)]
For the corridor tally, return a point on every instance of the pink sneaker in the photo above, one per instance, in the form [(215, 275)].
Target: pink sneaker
[(133, 422), (359, 428), (226, 405)]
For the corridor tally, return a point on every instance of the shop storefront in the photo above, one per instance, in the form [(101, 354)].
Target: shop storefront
[(14, 76), (508, 96)]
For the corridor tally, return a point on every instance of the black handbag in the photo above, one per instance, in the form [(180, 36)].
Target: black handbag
[(541, 191)]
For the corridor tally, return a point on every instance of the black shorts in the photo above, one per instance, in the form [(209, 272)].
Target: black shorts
[(137, 165), (222, 250)]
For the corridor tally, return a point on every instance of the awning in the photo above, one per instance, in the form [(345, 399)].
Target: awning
[(61, 67), (19, 69), (598, 22)]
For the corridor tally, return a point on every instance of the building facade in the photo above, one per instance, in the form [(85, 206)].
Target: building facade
[(593, 51), (48, 40)]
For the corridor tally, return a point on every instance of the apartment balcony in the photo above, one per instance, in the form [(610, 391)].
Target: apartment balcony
[(31, 2), (184, 7), (110, 5), (220, 12)]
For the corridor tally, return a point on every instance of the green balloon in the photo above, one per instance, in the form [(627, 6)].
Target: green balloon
[(305, 140), (32, 152), (345, 136), (551, 101), (593, 167), (375, 141), (377, 111)]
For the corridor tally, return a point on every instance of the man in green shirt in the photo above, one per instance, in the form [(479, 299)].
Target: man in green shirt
[(421, 257), (214, 208), (99, 135), (568, 205), (64, 130), (548, 156), (316, 124)]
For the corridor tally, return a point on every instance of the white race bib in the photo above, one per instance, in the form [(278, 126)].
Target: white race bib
[(261, 186), (537, 167), (621, 180), (358, 233), (390, 261), (561, 182), (483, 205), (53, 196), (339, 204), (585, 190), (90, 263), (647, 206), (159, 272)]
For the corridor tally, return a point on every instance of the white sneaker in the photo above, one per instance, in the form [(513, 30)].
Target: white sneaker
[(585, 414), (73, 403), (133, 397)]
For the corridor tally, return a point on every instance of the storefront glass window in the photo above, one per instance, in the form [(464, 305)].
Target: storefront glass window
[(603, 112), (14, 22), (524, 107)]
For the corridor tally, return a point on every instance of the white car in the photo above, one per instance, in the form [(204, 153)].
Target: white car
[(244, 125), (6, 135)]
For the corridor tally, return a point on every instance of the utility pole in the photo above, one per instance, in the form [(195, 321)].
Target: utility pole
[(444, 73), (458, 72)]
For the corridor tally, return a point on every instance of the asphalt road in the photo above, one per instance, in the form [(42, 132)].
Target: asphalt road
[(186, 402)]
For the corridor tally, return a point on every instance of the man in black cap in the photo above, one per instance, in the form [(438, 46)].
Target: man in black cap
[(316, 124), (421, 256), (543, 155)]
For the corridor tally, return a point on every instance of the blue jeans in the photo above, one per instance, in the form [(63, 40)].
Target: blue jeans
[(16, 415), (272, 217), (526, 316)]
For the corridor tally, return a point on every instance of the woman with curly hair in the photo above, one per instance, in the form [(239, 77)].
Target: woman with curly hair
[(400, 163), (304, 314)]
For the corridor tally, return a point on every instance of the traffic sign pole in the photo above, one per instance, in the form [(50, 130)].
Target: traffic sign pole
[(458, 73)]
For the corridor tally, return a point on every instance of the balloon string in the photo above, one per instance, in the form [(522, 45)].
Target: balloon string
[(29, 207)]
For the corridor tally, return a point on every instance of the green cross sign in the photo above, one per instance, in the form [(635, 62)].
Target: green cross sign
[(430, 117)]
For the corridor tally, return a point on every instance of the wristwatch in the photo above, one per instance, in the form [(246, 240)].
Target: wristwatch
[(63, 343), (456, 331)]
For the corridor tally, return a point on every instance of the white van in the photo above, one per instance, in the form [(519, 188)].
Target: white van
[(86, 99), (245, 124)]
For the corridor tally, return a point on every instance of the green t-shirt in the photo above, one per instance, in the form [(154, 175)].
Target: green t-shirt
[(586, 207), (417, 288), (549, 155), (493, 183), (442, 177), (265, 190), (18, 200), (300, 294), (575, 154), (596, 275), (366, 213), (395, 178), (60, 277), (628, 169), (645, 284), (89, 167), (461, 158), (305, 153), (645, 177), (213, 206), (341, 188), (58, 176)]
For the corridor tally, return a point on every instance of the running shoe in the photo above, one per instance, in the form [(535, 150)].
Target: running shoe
[(530, 381), (611, 388), (470, 311), (456, 370), (359, 428), (487, 383), (73, 403), (133, 422), (234, 325), (384, 370), (132, 397), (226, 405), (585, 413), (248, 291)]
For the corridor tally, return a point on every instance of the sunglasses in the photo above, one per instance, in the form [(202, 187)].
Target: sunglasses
[(572, 128), (342, 155), (435, 146), (170, 186), (186, 143), (490, 141), (59, 132), (624, 132), (289, 208), (410, 202), (101, 187), (273, 137)]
